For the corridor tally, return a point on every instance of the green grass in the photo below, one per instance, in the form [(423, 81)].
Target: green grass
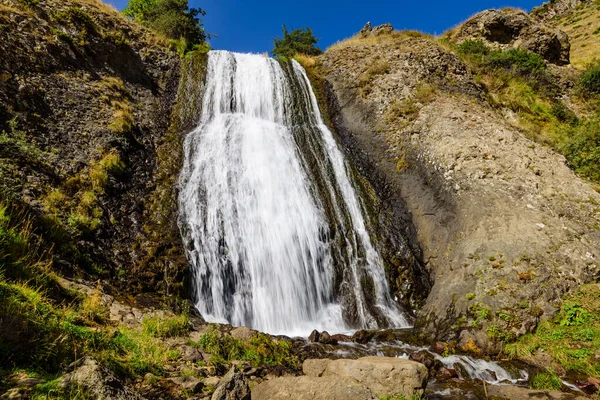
[(260, 350), (165, 327), (572, 338), (546, 381)]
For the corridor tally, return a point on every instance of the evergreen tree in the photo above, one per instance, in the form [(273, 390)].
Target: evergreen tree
[(297, 41)]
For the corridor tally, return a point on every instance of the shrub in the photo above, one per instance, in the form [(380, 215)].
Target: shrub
[(589, 80), (582, 149), (521, 61), (473, 47), (172, 18), (301, 41), (564, 113)]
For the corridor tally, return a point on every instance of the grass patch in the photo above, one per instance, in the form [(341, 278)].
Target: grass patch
[(546, 381), (100, 170), (589, 80), (162, 327), (260, 350), (572, 338)]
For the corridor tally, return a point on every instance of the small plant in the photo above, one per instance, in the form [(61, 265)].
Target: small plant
[(109, 164), (470, 296), (563, 113), (546, 381), (574, 315), (589, 80)]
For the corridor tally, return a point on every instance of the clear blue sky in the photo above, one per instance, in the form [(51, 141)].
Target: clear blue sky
[(250, 26)]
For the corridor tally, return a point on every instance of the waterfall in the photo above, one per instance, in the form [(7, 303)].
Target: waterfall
[(275, 230)]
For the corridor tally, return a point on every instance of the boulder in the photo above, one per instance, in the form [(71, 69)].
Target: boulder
[(341, 338), (233, 386), (511, 28), (368, 30), (311, 388), (424, 357), (326, 338), (212, 381), (519, 393), (242, 333), (315, 367), (190, 383), (362, 337), (314, 336), (97, 381), (384, 376), (189, 353)]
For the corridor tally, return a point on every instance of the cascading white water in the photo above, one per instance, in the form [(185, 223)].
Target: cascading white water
[(276, 234)]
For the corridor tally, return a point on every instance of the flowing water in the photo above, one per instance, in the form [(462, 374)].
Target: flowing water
[(275, 229)]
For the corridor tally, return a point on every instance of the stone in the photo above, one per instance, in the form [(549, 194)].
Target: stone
[(97, 381), (341, 338), (424, 357), (314, 336), (190, 383), (315, 367), (311, 388), (242, 333), (438, 347), (384, 376), (212, 381), (189, 353), (446, 373), (233, 386), (362, 337), (326, 338), (366, 30), (519, 393)]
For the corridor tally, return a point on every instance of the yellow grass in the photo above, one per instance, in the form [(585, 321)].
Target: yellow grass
[(358, 40), (585, 45), (305, 61)]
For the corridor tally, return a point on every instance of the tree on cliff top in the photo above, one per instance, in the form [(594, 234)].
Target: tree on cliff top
[(172, 18), (298, 41)]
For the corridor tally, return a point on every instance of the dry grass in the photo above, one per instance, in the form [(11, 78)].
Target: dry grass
[(305, 60), (358, 40), (580, 25)]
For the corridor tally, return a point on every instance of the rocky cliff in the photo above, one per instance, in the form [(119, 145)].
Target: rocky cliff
[(505, 226), (85, 104)]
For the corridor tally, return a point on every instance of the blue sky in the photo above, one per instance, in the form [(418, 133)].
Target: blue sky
[(250, 26)]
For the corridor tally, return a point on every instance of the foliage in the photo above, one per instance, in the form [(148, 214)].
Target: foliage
[(546, 381), (564, 114), (259, 350), (589, 80), (163, 327), (171, 18), (571, 338), (581, 147), (298, 41)]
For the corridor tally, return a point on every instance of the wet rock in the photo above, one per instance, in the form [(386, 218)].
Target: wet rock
[(362, 337), (438, 347), (325, 338), (315, 367), (461, 371), (446, 373), (233, 386), (190, 383), (96, 380), (341, 338), (510, 28), (589, 386), (424, 357), (386, 335), (384, 376), (242, 333), (314, 336), (311, 388)]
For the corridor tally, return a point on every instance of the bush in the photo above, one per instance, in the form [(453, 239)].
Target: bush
[(521, 61), (589, 80), (564, 114), (582, 149), (172, 18), (300, 41), (473, 47)]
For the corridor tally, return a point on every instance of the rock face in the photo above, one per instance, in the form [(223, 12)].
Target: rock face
[(510, 28), (233, 386), (98, 381), (500, 222), (311, 388), (93, 94), (384, 376)]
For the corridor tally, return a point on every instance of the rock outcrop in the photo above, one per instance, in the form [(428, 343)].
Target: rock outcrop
[(503, 224), (311, 388), (511, 28)]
